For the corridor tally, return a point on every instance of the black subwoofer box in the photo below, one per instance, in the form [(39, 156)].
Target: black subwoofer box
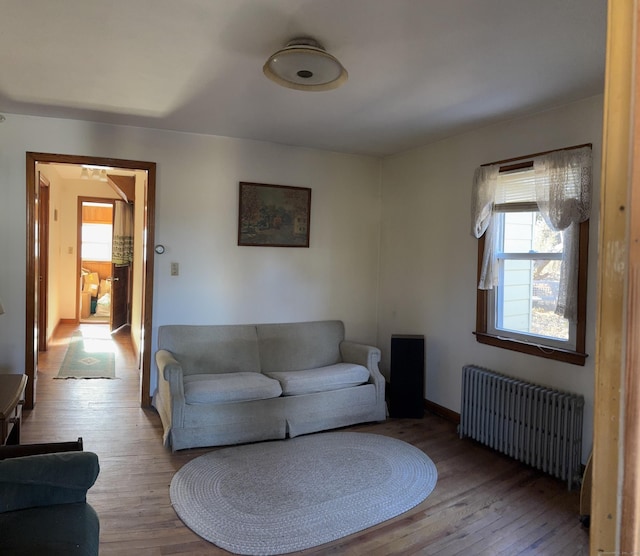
[(406, 396)]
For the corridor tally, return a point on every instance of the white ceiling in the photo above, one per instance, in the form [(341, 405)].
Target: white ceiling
[(419, 70)]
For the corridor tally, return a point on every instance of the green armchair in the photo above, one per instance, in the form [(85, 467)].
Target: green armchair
[(43, 507)]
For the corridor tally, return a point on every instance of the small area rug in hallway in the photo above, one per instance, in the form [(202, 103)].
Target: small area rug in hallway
[(288, 495), (88, 358)]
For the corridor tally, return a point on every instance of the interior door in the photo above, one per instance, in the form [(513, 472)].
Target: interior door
[(119, 296)]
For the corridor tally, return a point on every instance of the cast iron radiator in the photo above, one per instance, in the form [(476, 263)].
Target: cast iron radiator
[(536, 425)]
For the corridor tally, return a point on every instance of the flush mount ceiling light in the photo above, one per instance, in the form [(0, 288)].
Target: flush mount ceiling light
[(305, 65)]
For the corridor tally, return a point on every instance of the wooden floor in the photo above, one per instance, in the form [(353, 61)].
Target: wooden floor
[(483, 503)]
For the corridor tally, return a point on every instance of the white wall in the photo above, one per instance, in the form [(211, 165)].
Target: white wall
[(196, 219), (428, 256), (55, 266)]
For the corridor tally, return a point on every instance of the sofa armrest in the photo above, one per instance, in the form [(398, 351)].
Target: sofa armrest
[(171, 385), (168, 366), (361, 354), (367, 356), (46, 479)]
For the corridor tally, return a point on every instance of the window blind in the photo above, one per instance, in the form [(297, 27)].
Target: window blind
[(518, 186)]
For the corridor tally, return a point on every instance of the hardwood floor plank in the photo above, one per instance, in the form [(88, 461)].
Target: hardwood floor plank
[(496, 513), (484, 503)]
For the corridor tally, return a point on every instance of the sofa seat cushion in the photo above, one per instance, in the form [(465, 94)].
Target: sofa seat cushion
[(229, 387), (322, 379)]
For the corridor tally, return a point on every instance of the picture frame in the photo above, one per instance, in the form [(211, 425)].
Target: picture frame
[(273, 215)]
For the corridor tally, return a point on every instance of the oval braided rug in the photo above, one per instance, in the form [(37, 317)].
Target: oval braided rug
[(287, 495)]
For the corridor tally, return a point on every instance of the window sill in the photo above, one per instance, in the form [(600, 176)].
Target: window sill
[(558, 354)]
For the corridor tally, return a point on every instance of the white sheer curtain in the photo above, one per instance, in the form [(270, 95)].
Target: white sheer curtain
[(122, 252), (485, 181), (563, 196)]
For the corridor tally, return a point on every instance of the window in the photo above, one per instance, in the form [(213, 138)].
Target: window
[(532, 225), (96, 231), (96, 242)]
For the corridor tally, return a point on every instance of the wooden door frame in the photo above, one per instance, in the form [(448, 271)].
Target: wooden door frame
[(31, 330), (615, 492), (43, 267), (630, 488)]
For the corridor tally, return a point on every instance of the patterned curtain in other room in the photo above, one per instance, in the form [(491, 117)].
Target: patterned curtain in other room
[(122, 234)]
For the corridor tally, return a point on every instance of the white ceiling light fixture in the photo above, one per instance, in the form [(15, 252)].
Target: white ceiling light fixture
[(305, 65), (99, 174)]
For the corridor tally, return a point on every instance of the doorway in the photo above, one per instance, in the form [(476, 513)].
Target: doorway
[(95, 248), (104, 279), (37, 302)]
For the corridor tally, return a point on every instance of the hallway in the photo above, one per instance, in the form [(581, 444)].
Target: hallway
[(86, 397)]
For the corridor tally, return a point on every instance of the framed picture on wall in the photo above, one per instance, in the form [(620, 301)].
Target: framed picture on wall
[(274, 215)]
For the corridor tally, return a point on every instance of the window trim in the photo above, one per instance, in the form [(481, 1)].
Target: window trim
[(516, 163), (576, 357)]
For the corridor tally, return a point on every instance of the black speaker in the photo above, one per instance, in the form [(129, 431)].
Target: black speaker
[(406, 396)]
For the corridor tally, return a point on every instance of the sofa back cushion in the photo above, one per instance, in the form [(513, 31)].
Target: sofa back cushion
[(299, 346), (212, 348)]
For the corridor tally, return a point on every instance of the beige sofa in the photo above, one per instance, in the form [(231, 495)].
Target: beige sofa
[(229, 384)]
